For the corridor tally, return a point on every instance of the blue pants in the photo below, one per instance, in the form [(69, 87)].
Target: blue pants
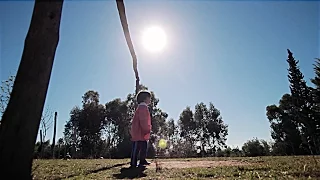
[(138, 148)]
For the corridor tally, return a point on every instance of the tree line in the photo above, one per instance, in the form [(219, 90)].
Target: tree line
[(102, 130), (97, 130)]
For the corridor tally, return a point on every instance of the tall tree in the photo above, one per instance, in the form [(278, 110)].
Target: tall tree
[(117, 126), (210, 128), (187, 127), (91, 123), (216, 128), (316, 99), (72, 133), (303, 102), (20, 123), (204, 126), (172, 130), (201, 120)]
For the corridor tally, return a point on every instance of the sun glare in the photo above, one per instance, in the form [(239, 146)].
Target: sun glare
[(154, 39)]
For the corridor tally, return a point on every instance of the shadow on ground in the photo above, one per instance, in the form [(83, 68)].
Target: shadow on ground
[(131, 173), (95, 171)]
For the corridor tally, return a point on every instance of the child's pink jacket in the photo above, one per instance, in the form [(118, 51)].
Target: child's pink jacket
[(141, 124)]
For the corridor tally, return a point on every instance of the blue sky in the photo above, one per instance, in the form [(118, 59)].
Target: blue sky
[(230, 53)]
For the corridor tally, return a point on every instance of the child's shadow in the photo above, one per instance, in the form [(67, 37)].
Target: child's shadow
[(131, 173)]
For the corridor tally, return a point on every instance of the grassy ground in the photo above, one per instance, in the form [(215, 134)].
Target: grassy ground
[(294, 167)]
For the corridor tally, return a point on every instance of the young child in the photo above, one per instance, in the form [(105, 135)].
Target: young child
[(140, 129)]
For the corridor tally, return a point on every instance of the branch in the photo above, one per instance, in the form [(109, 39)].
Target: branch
[(6, 89), (46, 122)]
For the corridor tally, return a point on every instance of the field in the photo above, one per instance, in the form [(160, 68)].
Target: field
[(294, 167)]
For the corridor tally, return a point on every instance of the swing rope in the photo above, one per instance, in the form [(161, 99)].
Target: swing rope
[(124, 23)]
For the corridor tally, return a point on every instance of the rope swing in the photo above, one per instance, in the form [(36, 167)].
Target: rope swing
[(124, 23)]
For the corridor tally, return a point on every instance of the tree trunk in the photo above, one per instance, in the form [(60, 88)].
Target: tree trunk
[(54, 134), (20, 121)]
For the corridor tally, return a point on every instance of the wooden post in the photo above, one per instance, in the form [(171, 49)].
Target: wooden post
[(54, 134), (41, 144)]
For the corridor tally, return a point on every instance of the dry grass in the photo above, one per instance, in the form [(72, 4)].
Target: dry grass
[(294, 167)]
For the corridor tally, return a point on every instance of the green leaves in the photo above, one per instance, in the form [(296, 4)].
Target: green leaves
[(204, 126), (294, 123), (97, 129), (256, 147)]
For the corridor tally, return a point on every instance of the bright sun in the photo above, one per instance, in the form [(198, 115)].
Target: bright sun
[(154, 39)]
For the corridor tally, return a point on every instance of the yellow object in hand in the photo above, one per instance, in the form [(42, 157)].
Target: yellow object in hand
[(162, 143)]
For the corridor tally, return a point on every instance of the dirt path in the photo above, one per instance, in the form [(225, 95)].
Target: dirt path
[(191, 164)]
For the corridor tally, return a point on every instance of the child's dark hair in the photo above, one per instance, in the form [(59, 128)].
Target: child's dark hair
[(142, 96)]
